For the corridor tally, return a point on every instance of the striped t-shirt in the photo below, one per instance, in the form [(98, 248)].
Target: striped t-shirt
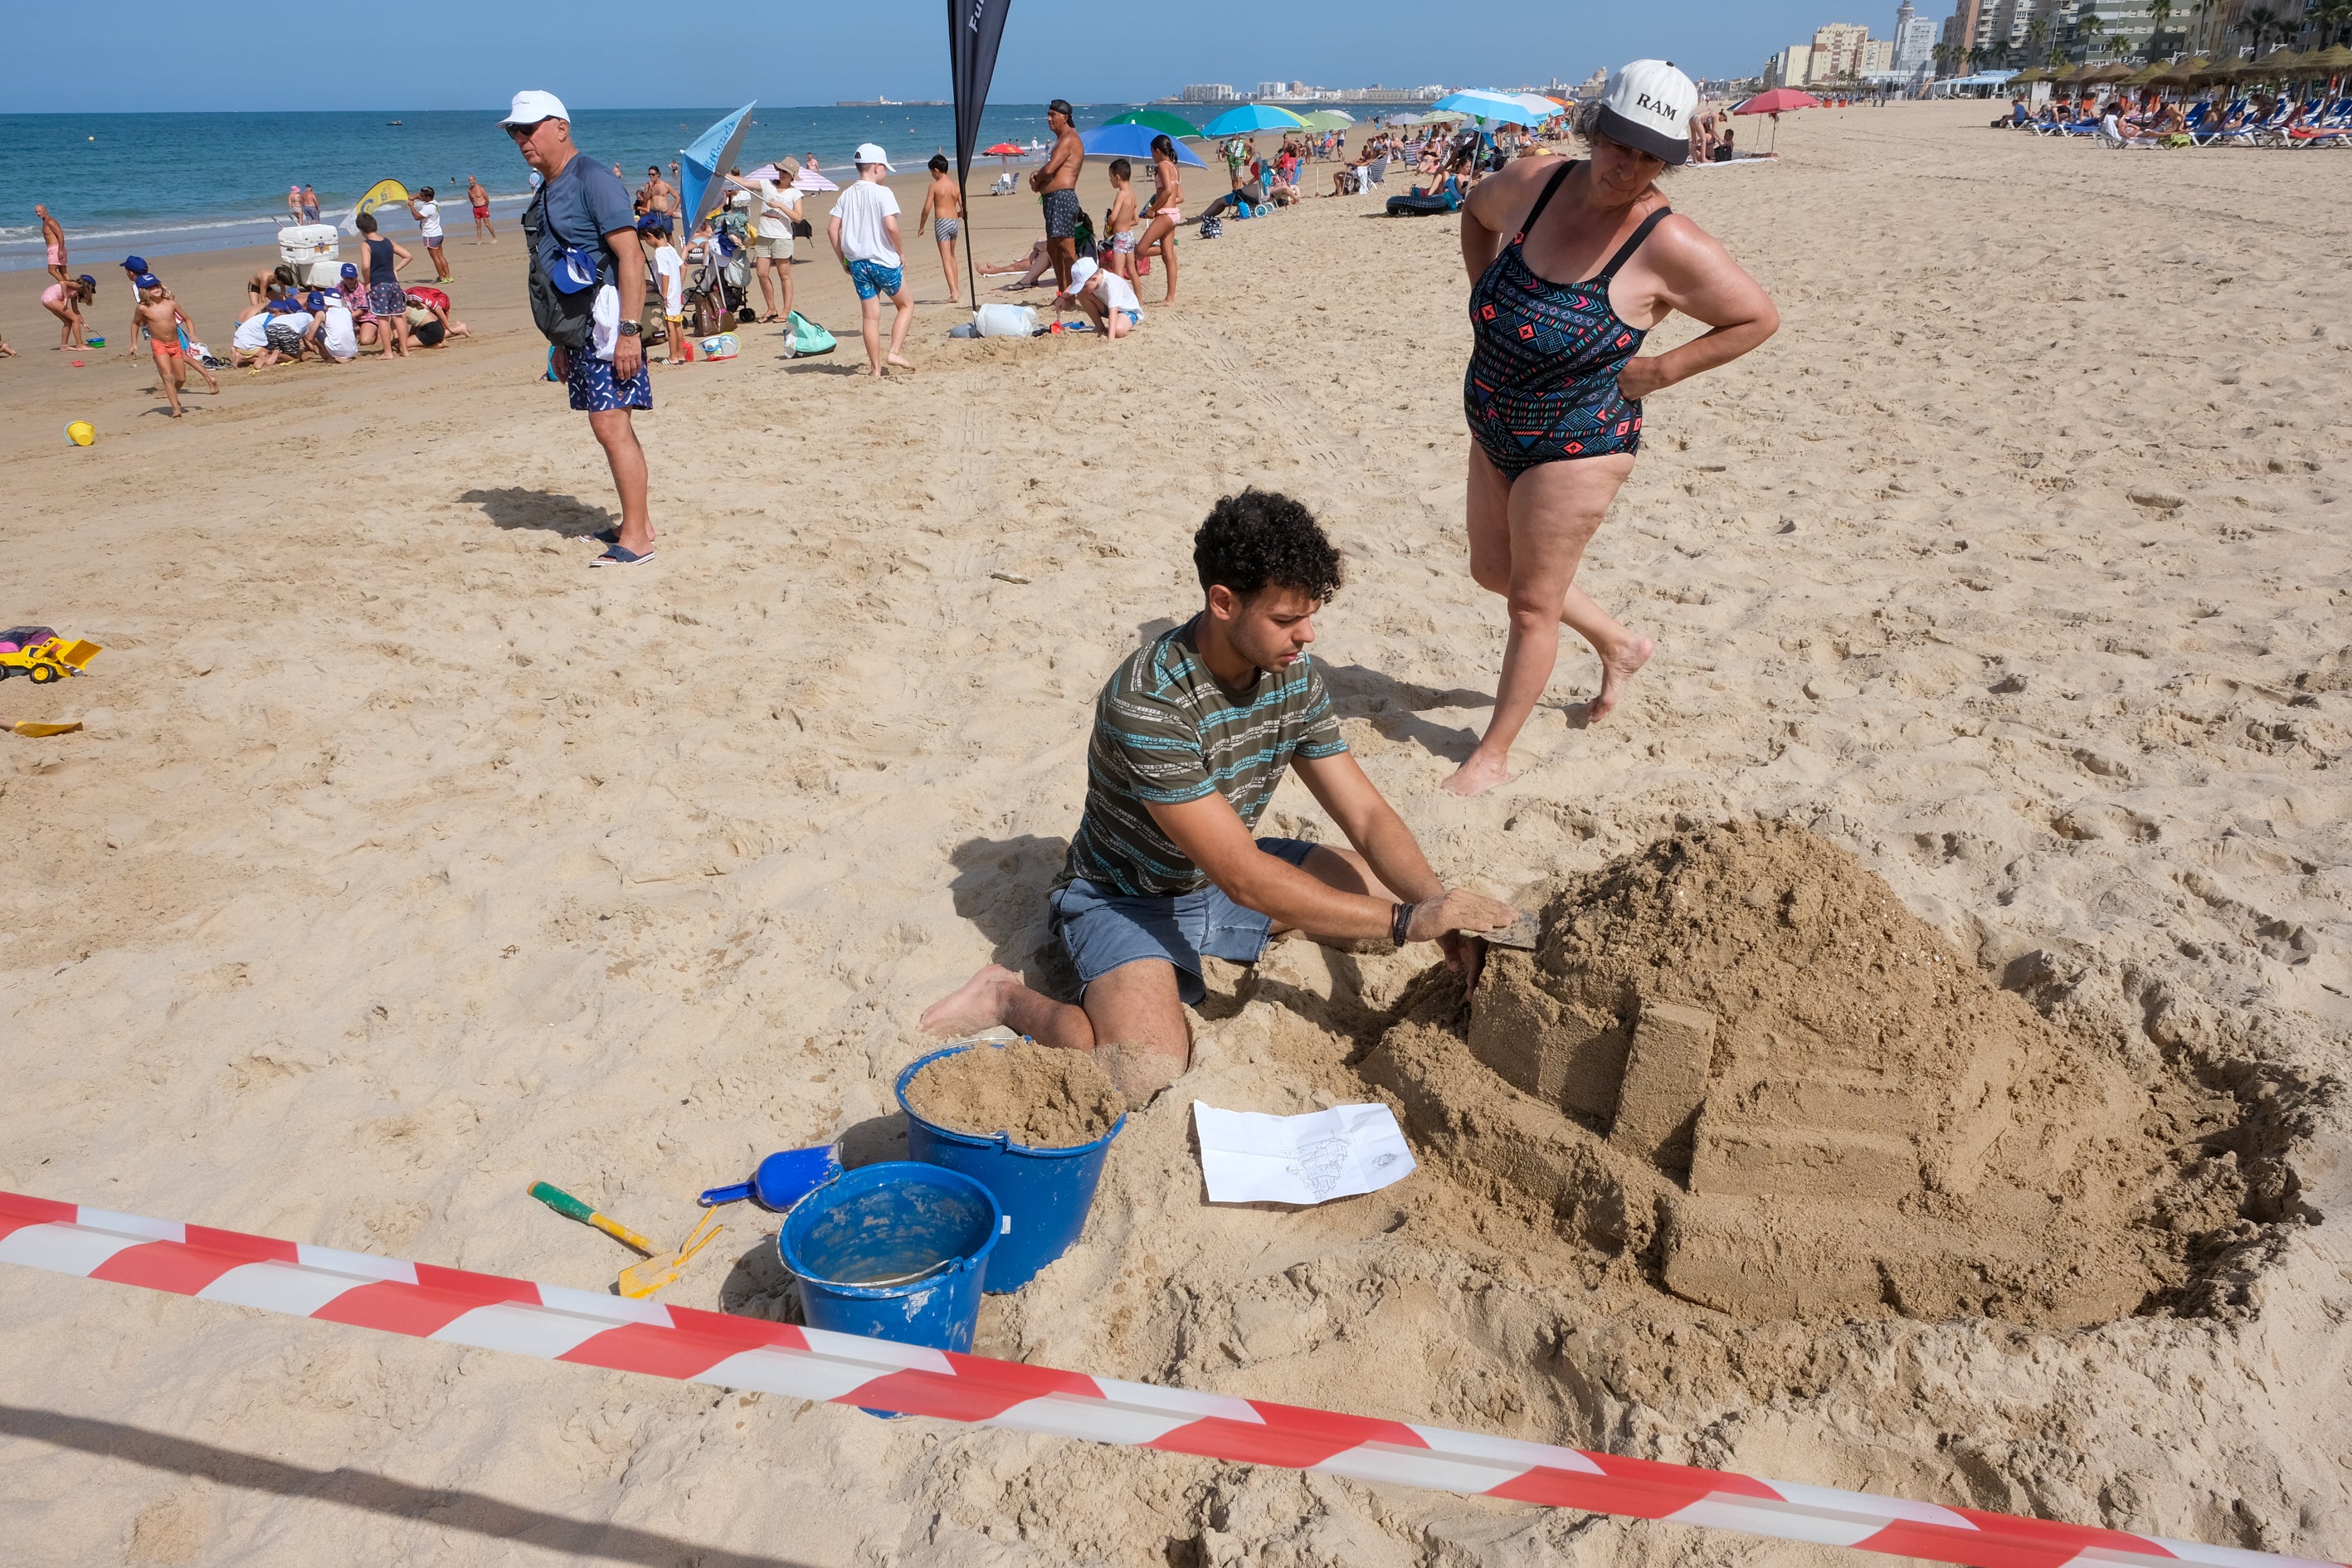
[(1167, 731)]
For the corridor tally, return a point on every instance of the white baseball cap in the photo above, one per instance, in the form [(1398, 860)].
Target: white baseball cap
[(1081, 270), (531, 106), (1647, 107), (868, 153)]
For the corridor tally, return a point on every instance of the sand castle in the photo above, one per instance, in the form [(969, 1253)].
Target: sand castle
[(1739, 1047)]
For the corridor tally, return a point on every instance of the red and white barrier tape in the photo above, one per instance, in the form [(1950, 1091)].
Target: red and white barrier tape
[(592, 1329)]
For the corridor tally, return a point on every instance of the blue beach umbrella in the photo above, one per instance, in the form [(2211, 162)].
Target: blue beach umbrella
[(1489, 108), (1132, 142), (1253, 116), (702, 166)]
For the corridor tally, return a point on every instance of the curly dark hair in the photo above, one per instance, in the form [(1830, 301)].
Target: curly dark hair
[(1260, 536)]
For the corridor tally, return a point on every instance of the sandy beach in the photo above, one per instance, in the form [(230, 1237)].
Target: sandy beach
[(402, 861)]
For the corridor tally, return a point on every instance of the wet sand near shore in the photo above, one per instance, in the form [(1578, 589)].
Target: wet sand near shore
[(404, 860)]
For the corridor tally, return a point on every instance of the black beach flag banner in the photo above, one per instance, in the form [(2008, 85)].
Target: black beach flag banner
[(974, 29)]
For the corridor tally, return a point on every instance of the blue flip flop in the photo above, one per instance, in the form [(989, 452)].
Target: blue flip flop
[(616, 556)]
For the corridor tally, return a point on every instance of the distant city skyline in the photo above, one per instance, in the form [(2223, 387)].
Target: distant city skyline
[(593, 53)]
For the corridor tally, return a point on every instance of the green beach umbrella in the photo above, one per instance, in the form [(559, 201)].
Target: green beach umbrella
[(1329, 120), (1160, 119)]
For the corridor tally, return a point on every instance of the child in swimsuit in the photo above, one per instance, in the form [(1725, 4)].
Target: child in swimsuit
[(65, 300), (943, 207), (1167, 202), (1119, 223), (162, 316)]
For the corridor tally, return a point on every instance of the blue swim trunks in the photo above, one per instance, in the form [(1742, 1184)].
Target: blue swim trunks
[(875, 280), (1102, 929), (594, 389)]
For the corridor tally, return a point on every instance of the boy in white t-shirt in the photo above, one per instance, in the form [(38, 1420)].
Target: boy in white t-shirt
[(669, 281), (864, 233), (1108, 300)]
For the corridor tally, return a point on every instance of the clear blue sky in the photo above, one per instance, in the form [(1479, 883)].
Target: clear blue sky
[(628, 53)]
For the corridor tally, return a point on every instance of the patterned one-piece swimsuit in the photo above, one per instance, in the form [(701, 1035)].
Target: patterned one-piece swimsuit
[(1542, 383)]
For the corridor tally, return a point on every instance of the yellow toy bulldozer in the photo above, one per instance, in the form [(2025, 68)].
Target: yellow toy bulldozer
[(42, 655)]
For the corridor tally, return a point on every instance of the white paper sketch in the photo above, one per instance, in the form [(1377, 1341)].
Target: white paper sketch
[(1248, 1157)]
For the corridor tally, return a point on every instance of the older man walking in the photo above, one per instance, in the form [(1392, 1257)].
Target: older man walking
[(1058, 183), (587, 294)]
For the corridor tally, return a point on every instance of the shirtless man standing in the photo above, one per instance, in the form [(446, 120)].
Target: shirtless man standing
[(657, 194), (1058, 183), (53, 240), (481, 201)]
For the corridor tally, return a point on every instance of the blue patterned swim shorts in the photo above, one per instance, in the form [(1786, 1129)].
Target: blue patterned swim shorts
[(595, 391), (875, 280)]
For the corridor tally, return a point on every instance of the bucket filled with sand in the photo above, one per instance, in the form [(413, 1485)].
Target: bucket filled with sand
[(1032, 1124)]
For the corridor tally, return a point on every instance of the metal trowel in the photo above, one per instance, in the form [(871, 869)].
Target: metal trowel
[(1519, 936)]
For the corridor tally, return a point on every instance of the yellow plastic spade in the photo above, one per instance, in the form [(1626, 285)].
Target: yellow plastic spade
[(639, 1280)]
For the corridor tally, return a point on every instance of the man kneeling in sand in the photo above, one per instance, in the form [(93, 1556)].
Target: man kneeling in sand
[(1191, 734)]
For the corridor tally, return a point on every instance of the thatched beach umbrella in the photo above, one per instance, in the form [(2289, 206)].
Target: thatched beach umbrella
[(2279, 64), (2181, 73), (2148, 75)]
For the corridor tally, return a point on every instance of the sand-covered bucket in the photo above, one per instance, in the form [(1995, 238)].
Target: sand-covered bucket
[(1061, 1099)]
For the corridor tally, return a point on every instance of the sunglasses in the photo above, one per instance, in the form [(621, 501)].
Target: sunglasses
[(525, 133)]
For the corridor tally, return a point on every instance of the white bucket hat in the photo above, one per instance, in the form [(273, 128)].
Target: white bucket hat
[(870, 153), (1647, 107)]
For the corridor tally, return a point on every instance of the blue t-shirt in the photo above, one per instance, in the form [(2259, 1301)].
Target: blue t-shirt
[(585, 202)]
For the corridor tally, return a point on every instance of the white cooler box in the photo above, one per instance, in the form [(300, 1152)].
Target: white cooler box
[(315, 252)]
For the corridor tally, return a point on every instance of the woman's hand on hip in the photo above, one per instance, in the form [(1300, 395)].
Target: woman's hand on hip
[(1640, 377)]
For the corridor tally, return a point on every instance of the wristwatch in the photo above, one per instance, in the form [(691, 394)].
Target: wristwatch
[(630, 329), (1400, 922)]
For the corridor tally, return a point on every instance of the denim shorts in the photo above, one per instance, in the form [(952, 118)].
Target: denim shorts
[(1102, 929), (875, 280)]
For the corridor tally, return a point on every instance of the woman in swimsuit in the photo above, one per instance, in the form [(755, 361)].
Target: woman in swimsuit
[(943, 209), (1553, 394), (65, 301), (1165, 211)]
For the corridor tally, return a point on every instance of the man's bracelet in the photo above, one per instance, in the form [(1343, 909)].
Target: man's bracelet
[(1398, 923)]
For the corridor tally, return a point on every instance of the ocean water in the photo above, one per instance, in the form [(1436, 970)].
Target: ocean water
[(159, 183)]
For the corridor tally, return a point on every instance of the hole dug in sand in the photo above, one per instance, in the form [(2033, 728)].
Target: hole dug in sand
[(1738, 1060)]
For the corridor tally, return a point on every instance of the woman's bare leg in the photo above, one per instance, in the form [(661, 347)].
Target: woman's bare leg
[(1527, 540), (1161, 239)]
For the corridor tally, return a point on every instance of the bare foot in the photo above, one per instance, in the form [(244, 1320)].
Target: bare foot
[(978, 1004), (1616, 670), (1480, 774), (904, 365)]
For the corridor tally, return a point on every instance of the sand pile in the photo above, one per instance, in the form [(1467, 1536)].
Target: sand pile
[(1033, 1094), (1739, 1048)]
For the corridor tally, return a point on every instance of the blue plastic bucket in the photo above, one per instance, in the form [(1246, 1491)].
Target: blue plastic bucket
[(1044, 1193), (894, 1251)]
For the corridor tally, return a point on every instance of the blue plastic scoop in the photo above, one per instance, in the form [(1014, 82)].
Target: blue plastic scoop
[(781, 1180)]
